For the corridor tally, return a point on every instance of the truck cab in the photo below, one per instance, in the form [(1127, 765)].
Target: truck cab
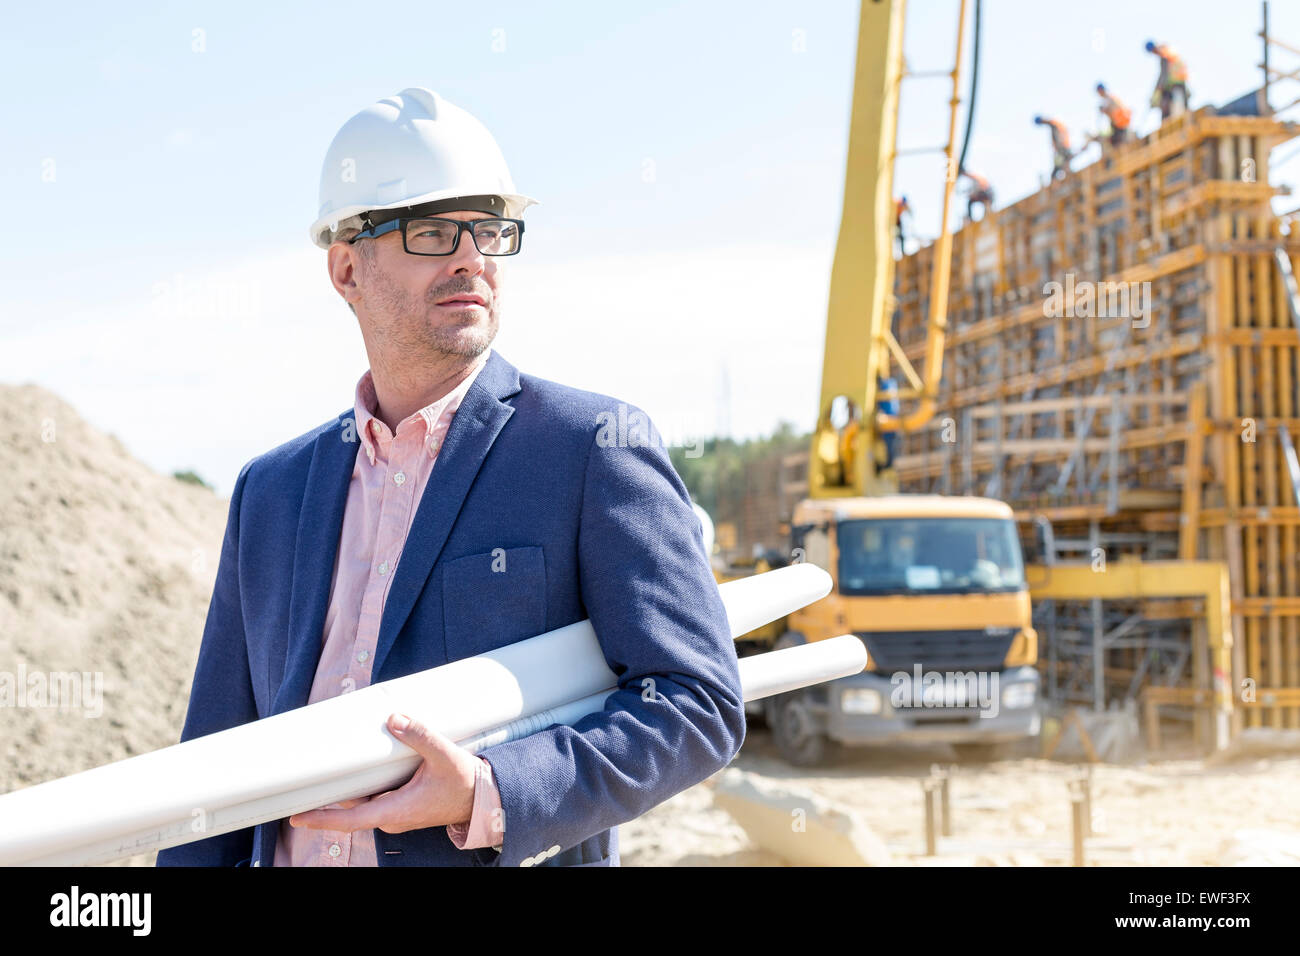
[(935, 588)]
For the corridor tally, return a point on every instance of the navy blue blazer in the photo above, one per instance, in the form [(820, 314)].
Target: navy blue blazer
[(595, 523)]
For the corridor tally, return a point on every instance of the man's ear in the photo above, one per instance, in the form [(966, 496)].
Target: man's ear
[(341, 262)]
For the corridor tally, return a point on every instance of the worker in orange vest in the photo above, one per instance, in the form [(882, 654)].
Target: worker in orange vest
[(1118, 114), (900, 207), (1171, 87), (1060, 145), (981, 191)]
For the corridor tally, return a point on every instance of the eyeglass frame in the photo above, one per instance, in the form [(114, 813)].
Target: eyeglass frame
[(462, 226)]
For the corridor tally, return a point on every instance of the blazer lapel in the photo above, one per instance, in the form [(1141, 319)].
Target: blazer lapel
[(474, 427), (319, 524)]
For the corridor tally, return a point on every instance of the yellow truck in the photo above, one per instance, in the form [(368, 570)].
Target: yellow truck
[(935, 588)]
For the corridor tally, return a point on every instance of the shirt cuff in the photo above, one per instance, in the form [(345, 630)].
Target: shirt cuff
[(487, 822)]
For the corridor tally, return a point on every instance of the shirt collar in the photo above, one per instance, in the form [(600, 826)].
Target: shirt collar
[(432, 420)]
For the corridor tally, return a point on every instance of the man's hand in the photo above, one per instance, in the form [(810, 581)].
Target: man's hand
[(440, 793)]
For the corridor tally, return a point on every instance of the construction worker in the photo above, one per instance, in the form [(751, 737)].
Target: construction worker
[(981, 191), (1114, 110), (900, 207), (1171, 87), (887, 402), (1060, 145), (463, 506)]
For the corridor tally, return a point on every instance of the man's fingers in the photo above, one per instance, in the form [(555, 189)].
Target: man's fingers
[(423, 740), (345, 817), (408, 807), (387, 812), (361, 817)]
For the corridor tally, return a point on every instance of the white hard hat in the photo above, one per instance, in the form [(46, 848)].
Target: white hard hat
[(406, 150)]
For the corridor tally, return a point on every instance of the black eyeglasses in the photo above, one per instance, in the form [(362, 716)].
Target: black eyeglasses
[(441, 237)]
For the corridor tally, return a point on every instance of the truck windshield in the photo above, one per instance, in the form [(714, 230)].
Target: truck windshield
[(929, 555)]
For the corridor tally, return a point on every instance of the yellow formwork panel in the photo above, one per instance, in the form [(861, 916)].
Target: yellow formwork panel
[(1127, 580)]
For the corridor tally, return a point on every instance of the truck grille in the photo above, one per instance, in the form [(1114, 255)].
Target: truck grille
[(946, 650)]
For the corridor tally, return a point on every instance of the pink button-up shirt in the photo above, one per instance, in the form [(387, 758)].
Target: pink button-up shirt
[(388, 480)]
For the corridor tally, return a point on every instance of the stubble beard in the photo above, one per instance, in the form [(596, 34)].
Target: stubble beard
[(468, 338), (411, 327)]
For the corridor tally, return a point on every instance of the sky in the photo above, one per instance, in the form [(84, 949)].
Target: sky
[(161, 162)]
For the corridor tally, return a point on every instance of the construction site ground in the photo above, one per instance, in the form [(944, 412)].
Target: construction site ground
[(1174, 811)]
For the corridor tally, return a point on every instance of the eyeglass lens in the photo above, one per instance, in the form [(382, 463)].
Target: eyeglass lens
[(436, 237)]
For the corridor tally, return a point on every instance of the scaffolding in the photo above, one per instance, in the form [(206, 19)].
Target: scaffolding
[(1121, 368)]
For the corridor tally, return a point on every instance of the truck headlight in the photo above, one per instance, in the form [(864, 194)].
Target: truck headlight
[(1019, 695), (860, 700)]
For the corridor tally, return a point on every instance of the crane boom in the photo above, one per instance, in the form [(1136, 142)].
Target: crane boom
[(844, 458)]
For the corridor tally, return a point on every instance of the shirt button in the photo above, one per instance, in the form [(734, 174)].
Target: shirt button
[(335, 849), (362, 656), (399, 478), (383, 568), (527, 861), (553, 850)]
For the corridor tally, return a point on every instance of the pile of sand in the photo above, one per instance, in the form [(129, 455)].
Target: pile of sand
[(106, 569)]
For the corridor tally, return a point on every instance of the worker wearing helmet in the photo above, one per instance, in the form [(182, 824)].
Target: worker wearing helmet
[(457, 506), (1060, 145), (981, 192), (900, 207), (1170, 93), (1114, 110)]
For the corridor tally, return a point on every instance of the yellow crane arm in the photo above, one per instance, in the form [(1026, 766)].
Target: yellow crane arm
[(862, 275), (842, 460)]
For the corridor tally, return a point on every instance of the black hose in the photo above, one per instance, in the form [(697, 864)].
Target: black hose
[(974, 85)]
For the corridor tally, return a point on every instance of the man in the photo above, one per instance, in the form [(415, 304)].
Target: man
[(1114, 110), (981, 194), (1171, 86), (888, 403), (457, 507), (1060, 145), (900, 207)]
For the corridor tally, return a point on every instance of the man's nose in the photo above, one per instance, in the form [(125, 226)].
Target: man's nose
[(466, 256)]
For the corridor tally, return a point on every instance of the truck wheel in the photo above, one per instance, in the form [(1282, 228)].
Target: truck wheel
[(978, 752), (795, 731)]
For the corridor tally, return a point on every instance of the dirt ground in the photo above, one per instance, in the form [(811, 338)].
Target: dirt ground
[(1014, 812)]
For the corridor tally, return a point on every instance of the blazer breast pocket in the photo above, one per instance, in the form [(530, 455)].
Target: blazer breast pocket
[(493, 599)]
